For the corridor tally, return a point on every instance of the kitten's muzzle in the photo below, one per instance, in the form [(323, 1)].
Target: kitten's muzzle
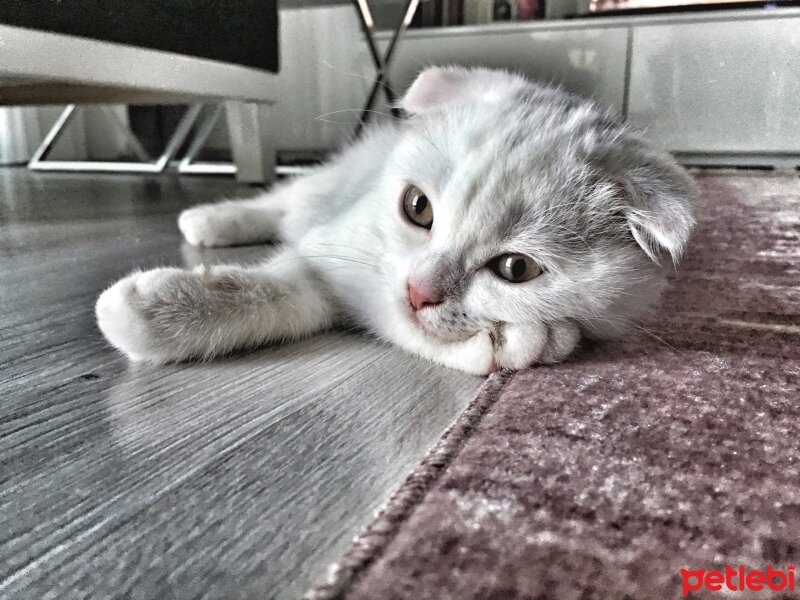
[(420, 297)]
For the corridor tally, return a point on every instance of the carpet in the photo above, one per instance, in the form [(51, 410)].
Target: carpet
[(605, 476)]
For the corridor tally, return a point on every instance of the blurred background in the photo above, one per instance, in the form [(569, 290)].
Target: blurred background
[(714, 82)]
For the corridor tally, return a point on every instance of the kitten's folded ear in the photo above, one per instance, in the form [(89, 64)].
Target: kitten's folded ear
[(656, 195), (438, 87)]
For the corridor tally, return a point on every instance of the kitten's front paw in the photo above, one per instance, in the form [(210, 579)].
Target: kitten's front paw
[(562, 339), (128, 314), (210, 226), (520, 346)]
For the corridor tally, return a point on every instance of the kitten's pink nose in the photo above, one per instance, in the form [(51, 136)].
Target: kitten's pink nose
[(421, 298)]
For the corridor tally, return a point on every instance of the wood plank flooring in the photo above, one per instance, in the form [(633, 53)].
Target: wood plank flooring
[(242, 478)]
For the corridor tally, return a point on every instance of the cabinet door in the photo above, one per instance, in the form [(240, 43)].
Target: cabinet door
[(588, 61), (723, 87)]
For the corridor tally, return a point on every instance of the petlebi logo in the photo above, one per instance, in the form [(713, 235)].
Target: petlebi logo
[(738, 580)]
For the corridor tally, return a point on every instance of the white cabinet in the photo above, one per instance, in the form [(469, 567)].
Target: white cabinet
[(724, 87), (583, 59), (718, 87)]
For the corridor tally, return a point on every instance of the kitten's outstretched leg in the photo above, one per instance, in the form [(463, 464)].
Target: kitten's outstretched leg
[(263, 218), (168, 315), (232, 223)]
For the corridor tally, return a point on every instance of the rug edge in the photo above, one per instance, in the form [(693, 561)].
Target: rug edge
[(370, 543)]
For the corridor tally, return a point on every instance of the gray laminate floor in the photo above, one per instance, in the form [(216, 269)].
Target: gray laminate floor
[(242, 478)]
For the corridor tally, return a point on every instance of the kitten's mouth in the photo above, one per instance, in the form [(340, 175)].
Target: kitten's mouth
[(428, 330), (412, 316), (418, 324)]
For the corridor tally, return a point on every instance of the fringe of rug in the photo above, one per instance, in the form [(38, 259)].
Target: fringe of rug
[(373, 539)]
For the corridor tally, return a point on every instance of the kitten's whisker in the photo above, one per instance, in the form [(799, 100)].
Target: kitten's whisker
[(348, 110), (369, 78), (358, 252), (574, 233), (425, 135), (654, 336), (554, 207), (287, 260), (626, 324), (337, 122), (362, 230), (343, 258)]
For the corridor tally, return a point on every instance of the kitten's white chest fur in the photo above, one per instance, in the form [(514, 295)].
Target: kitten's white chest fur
[(489, 230)]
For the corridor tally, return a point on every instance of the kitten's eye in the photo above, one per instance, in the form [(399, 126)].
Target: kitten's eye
[(417, 207), (516, 268)]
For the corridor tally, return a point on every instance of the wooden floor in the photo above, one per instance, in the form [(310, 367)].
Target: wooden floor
[(242, 478)]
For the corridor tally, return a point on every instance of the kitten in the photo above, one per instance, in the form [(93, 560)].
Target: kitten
[(487, 231)]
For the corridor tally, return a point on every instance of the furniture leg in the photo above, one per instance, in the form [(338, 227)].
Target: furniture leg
[(252, 142)]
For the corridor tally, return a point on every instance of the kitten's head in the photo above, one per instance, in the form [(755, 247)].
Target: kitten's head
[(514, 203)]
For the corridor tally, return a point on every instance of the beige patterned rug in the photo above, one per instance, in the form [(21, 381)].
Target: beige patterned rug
[(604, 477)]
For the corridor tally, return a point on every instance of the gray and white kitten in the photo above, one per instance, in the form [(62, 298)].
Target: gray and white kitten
[(489, 230)]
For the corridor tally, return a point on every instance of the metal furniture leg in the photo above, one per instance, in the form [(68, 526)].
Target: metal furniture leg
[(39, 163), (188, 166), (133, 142), (382, 63), (251, 141)]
